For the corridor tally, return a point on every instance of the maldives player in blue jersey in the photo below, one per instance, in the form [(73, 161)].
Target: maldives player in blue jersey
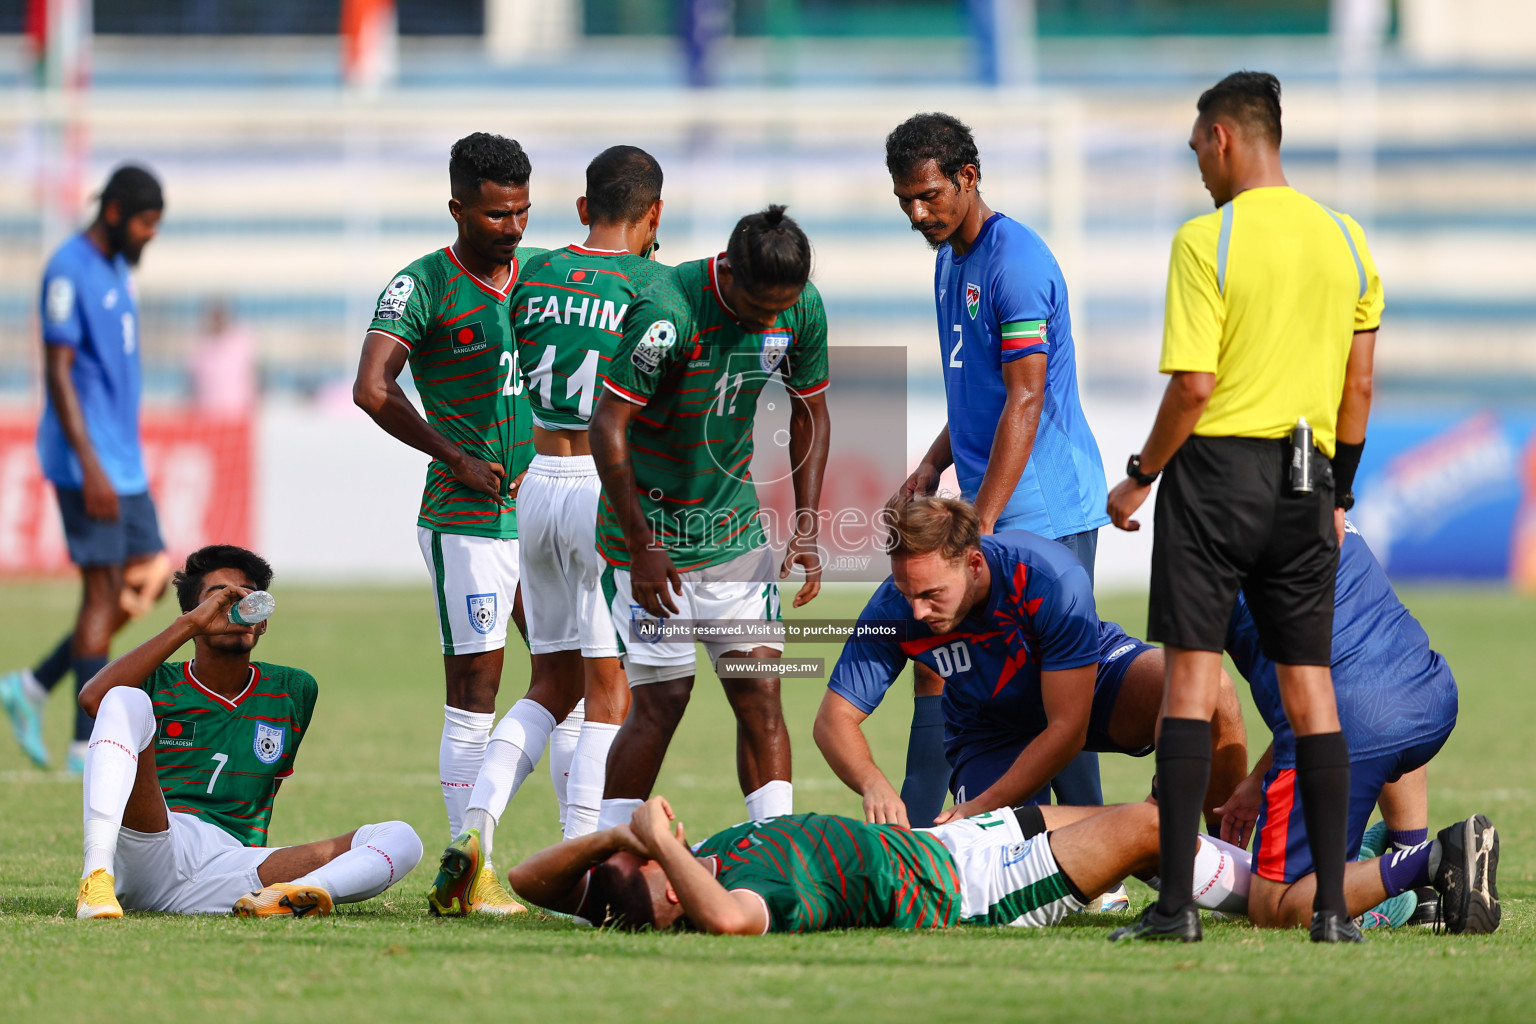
[(1032, 677), (1016, 433), (88, 443), (1397, 706)]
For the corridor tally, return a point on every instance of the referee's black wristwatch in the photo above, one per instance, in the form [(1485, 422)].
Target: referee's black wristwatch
[(1133, 470)]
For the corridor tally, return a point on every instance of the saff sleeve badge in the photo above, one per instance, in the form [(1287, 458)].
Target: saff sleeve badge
[(270, 742)]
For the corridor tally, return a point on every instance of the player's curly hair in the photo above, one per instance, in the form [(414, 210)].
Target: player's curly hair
[(188, 580), (926, 524), (1251, 98), (942, 138), (622, 183), (767, 249), (483, 157)]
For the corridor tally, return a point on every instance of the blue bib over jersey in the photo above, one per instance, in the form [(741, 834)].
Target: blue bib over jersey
[(1393, 692), (1003, 300), (89, 305)]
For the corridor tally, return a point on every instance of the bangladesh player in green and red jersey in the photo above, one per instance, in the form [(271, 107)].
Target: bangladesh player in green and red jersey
[(679, 521), (815, 872), (185, 759), (448, 314)]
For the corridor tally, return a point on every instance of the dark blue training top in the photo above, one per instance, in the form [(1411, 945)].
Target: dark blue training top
[(1393, 691), (1039, 616)]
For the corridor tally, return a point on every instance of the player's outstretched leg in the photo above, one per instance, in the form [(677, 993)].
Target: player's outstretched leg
[(308, 880), (119, 770)]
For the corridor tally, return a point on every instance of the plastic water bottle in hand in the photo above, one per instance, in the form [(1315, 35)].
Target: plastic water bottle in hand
[(257, 606)]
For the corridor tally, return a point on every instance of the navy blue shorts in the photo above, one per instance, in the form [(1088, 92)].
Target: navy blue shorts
[(1281, 852), (979, 763), (135, 531)]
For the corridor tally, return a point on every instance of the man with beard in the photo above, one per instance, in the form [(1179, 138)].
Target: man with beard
[(88, 443)]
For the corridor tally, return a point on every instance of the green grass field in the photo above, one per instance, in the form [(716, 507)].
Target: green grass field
[(372, 754)]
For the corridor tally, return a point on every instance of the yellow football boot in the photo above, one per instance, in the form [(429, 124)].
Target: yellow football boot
[(98, 897), (284, 899), (466, 885), (489, 896)]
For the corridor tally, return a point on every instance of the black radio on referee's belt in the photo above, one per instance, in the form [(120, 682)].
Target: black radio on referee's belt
[(1301, 457)]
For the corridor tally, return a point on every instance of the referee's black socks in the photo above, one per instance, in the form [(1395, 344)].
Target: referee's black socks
[(1322, 779), (1183, 773)]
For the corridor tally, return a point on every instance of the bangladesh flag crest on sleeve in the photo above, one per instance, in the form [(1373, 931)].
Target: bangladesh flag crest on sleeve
[(972, 298)]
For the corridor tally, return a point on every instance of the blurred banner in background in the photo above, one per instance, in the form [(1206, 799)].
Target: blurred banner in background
[(303, 147)]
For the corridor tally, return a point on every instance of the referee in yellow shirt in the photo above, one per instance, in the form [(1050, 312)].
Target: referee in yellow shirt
[(1272, 309)]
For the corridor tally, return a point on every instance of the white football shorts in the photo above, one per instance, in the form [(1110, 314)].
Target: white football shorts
[(474, 580), (191, 868), (744, 589), (1005, 879), (562, 571)]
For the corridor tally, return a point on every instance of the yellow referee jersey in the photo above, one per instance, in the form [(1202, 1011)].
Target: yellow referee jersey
[(1267, 293)]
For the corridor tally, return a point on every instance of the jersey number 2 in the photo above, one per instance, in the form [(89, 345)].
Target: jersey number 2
[(954, 353)]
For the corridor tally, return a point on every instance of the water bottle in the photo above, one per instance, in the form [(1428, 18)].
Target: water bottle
[(257, 606), (1301, 457)]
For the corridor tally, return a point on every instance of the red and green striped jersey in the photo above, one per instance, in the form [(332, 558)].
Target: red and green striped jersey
[(458, 331), (222, 759), (820, 871), (568, 314), (698, 376)]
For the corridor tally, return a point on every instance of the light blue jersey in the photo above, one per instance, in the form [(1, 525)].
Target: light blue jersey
[(88, 304), (1006, 299)]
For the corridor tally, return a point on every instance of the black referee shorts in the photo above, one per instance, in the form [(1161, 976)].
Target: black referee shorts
[(1226, 518)]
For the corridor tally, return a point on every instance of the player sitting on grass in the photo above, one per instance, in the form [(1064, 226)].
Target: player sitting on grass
[(1397, 706), (815, 872), (1031, 675), (184, 762)]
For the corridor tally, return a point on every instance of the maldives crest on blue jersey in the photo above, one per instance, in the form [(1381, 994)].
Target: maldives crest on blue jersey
[(269, 742), (972, 298), (775, 346), (482, 612)]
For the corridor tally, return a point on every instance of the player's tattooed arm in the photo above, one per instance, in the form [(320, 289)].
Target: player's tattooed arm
[(810, 435), (131, 669), (708, 904), (378, 393), (653, 577), (1014, 440), (841, 739), (555, 878)]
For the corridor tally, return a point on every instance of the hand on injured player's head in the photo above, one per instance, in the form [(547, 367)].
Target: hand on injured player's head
[(652, 825)]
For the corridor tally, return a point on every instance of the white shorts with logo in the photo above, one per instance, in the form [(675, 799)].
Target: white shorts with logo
[(1005, 879), (744, 589), (562, 571), (192, 868), (474, 580)]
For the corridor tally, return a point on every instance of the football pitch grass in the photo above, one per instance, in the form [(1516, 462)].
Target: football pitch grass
[(371, 755)]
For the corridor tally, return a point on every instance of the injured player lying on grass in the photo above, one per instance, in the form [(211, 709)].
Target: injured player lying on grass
[(185, 760), (1026, 867)]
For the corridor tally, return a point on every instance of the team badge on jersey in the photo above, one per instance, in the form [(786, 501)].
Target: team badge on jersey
[(775, 346), (482, 612), (972, 298), (269, 742), (61, 300), (392, 302), (580, 275), (174, 733), (659, 337)]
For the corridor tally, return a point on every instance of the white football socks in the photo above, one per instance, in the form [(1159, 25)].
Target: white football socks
[(380, 856), (125, 725), (465, 734), (771, 800), (562, 747), (515, 747), (589, 773), (1222, 875), (617, 811)]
